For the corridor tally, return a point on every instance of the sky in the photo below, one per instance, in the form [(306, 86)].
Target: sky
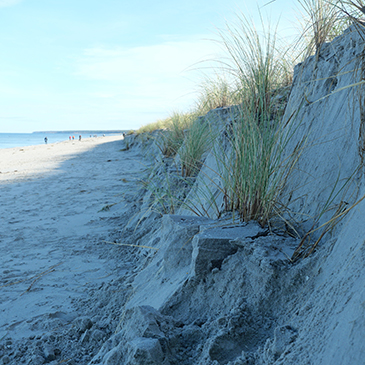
[(111, 64)]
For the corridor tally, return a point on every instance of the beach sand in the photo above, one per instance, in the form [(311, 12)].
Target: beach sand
[(58, 204)]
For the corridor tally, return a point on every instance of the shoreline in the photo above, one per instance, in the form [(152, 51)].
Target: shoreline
[(21, 140), (22, 161)]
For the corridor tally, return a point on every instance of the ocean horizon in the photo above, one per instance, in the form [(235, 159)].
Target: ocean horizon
[(11, 140)]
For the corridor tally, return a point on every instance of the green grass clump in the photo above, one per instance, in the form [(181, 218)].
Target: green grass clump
[(151, 127), (173, 137), (251, 168), (198, 140), (256, 62), (215, 92)]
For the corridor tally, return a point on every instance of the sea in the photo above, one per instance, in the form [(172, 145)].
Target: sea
[(10, 140)]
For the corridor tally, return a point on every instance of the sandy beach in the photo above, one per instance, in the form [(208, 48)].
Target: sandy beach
[(59, 203), (233, 236)]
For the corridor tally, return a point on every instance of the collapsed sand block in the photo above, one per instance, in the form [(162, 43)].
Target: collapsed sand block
[(213, 245), (141, 321), (169, 265), (179, 231), (251, 268), (144, 351), (227, 323)]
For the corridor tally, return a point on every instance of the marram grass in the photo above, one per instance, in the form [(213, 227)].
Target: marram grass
[(198, 140), (216, 92), (151, 127), (173, 137), (321, 23), (252, 167)]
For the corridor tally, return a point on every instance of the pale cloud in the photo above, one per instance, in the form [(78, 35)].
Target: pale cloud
[(102, 95), (151, 62), (4, 3), (152, 77), (117, 87)]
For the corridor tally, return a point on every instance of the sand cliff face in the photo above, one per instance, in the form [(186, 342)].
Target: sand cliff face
[(201, 290), (217, 293)]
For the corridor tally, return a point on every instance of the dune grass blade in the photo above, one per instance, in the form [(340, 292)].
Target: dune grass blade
[(173, 137), (322, 23), (216, 92), (151, 127), (353, 12), (198, 140), (251, 168), (256, 62)]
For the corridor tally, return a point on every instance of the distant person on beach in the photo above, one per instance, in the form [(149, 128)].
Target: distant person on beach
[(69, 138), (45, 140), (73, 137), (80, 137)]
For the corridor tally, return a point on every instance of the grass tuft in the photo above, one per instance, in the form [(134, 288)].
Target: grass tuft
[(216, 92), (173, 137), (256, 62), (198, 140), (322, 22), (251, 168), (151, 127)]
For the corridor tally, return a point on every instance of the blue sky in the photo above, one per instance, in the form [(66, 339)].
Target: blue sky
[(111, 64)]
